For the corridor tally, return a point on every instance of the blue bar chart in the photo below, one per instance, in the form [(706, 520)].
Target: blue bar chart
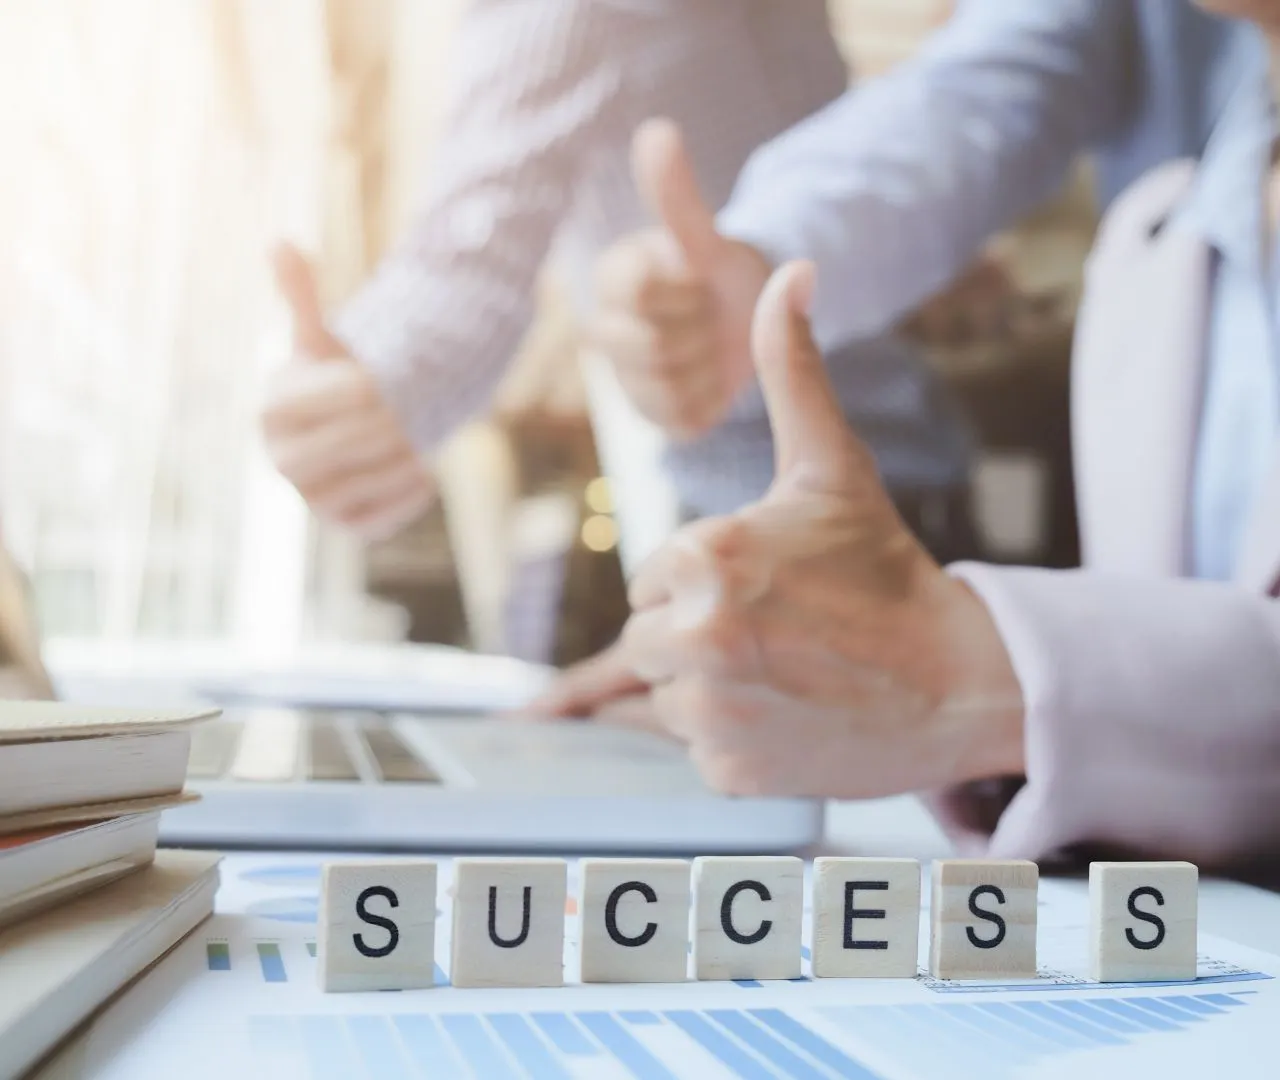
[(218, 955), (935, 1039), (271, 962), (939, 1039), (755, 1044)]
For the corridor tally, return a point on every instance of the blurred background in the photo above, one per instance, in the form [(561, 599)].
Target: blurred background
[(156, 153)]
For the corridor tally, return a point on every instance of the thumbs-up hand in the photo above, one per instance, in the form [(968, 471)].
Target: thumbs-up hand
[(328, 428), (674, 302), (808, 645)]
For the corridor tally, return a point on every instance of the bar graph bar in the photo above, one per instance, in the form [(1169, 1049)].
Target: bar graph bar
[(477, 1046), (527, 1047), (626, 1049), (428, 1048), (1197, 1005), (218, 955), (1088, 1010), (1223, 999), (376, 1046), (994, 1040), (565, 1034), (1167, 1011), (271, 962), (813, 1044), (1012, 1035), (1141, 1017), (328, 1053), (1010, 1041), (724, 1049), (764, 1043), (1082, 1027)]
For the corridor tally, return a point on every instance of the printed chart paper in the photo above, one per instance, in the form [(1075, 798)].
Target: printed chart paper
[(239, 998)]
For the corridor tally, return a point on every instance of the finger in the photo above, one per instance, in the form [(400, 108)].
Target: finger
[(636, 712), (685, 406), (372, 492), (681, 563), (636, 276), (691, 635), (296, 280), (587, 687), (633, 345), (665, 179), (813, 443), (674, 385), (344, 488), (304, 395), (384, 522), (685, 708), (332, 452)]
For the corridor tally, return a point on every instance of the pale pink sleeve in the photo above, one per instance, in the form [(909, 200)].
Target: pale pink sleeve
[(1152, 719)]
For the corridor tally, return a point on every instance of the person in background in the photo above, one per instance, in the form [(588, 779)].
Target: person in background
[(808, 645), (535, 160), (891, 189)]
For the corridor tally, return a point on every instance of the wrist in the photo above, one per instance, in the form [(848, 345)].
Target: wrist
[(978, 718)]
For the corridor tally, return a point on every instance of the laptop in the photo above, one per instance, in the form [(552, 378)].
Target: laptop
[(399, 748)]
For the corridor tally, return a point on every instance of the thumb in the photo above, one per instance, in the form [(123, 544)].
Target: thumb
[(296, 280), (665, 179), (812, 439)]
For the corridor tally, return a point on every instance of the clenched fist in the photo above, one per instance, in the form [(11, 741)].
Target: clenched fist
[(674, 302), (808, 644), (328, 429)]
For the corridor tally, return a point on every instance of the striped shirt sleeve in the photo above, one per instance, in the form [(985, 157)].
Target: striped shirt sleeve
[(443, 314)]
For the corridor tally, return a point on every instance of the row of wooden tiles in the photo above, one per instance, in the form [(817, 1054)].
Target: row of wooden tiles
[(377, 920)]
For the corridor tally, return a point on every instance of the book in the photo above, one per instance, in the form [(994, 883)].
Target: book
[(59, 967), (36, 820), (56, 755), (40, 869)]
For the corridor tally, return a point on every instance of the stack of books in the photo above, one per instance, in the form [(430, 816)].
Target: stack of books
[(86, 901)]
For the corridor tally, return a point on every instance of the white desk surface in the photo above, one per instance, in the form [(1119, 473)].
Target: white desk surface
[(1241, 914)]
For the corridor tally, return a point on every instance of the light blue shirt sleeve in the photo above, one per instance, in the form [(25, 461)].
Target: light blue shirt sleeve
[(894, 187)]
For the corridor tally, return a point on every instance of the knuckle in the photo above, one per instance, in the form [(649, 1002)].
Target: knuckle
[(627, 342), (727, 539), (669, 361), (725, 641), (733, 774), (621, 272), (701, 705)]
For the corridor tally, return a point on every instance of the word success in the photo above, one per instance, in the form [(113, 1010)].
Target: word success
[(744, 918)]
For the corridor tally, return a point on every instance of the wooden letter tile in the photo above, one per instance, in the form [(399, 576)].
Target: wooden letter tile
[(377, 926), (1142, 921), (866, 918), (984, 919), (747, 917), (635, 920), (508, 922)]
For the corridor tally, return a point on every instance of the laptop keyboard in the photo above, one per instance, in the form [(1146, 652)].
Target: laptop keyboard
[(283, 746), (329, 758)]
